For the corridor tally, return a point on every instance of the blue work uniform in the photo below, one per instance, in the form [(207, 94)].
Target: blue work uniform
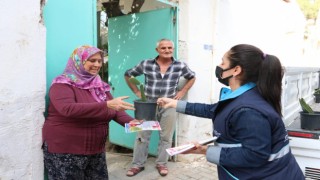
[(252, 139)]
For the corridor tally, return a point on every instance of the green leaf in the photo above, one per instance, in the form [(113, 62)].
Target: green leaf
[(134, 81), (305, 107), (140, 86), (143, 96)]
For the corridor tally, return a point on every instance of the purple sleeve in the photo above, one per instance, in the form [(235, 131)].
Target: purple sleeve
[(63, 99)]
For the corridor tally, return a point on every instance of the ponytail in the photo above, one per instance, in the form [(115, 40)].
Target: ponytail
[(270, 81)]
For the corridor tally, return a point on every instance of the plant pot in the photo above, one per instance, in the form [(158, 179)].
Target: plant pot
[(145, 110), (310, 121), (317, 98)]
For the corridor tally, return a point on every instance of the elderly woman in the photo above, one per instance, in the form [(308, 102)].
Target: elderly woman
[(81, 106)]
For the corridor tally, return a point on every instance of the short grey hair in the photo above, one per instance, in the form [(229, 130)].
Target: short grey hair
[(164, 39)]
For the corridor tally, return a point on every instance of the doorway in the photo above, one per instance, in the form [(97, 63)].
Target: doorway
[(131, 38)]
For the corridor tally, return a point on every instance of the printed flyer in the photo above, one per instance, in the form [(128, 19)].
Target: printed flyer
[(145, 126), (186, 147)]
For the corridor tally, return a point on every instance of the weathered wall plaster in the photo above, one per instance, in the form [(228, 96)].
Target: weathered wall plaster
[(22, 79), (195, 48)]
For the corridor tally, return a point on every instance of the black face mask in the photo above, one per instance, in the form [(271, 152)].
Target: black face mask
[(219, 72)]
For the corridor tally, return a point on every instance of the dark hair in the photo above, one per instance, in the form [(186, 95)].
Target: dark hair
[(263, 69)]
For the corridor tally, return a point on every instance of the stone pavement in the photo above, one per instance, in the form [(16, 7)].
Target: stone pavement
[(118, 163)]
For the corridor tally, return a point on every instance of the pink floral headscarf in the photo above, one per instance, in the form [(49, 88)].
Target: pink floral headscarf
[(74, 74)]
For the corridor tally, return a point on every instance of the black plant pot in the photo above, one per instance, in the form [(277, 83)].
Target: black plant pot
[(317, 98), (145, 110), (310, 121)]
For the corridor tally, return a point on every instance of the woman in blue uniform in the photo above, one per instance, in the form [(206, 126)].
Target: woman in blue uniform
[(252, 139)]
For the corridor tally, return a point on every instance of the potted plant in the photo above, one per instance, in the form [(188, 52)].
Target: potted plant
[(317, 95), (145, 109), (309, 118)]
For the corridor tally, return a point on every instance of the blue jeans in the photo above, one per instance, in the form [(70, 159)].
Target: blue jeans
[(167, 119)]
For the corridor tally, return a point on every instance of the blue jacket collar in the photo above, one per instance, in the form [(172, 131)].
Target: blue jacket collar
[(227, 93)]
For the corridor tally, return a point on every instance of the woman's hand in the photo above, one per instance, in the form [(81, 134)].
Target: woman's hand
[(198, 149), (119, 105), (167, 102)]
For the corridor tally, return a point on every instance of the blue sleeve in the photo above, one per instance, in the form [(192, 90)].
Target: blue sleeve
[(253, 131), (196, 109)]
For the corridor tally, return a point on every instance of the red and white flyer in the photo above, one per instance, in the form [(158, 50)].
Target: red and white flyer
[(186, 147)]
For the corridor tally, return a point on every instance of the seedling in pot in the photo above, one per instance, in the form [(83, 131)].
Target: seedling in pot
[(140, 86)]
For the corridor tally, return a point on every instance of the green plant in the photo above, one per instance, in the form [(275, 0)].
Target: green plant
[(305, 107), (309, 8), (135, 81), (316, 91)]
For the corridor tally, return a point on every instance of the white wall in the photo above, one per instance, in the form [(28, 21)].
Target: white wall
[(22, 89), (274, 26), (195, 48)]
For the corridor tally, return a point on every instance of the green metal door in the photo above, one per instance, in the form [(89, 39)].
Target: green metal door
[(132, 38), (69, 24)]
